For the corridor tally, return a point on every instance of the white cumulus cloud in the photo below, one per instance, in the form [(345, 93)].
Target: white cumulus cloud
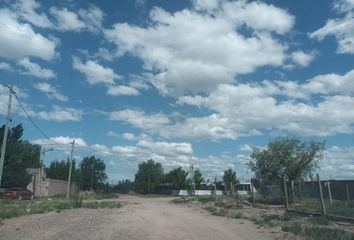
[(94, 72), (341, 27), (58, 114), (301, 58), (50, 91), (213, 52), (122, 90), (28, 10), (18, 40), (5, 66), (67, 20), (34, 69)]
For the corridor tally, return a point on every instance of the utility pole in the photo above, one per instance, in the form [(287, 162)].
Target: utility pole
[(286, 194), (215, 186), (39, 178), (92, 170), (70, 167), (6, 130), (192, 180), (148, 179), (41, 169)]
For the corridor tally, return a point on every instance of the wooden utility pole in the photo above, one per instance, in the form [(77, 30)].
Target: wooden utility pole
[(348, 195), (70, 168), (6, 131)]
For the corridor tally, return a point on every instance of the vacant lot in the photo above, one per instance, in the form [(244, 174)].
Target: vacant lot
[(141, 218)]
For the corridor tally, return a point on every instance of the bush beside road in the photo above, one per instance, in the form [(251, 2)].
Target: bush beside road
[(14, 208)]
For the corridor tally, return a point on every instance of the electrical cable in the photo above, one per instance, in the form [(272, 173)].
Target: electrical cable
[(33, 123), (5, 85), (43, 133)]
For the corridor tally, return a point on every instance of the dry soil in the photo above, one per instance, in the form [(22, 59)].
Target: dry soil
[(140, 219)]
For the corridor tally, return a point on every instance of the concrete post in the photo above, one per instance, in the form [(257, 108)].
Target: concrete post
[(286, 194), (321, 196)]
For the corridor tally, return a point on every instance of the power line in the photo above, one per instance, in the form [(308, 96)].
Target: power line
[(83, 148), (88, 148), (43, 133), (28, 116), (33, 123), (5, 85)]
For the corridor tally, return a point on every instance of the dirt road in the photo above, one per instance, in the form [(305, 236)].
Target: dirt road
[(140, 219)]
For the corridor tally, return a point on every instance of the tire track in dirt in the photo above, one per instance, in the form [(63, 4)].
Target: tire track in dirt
[(140, 218)]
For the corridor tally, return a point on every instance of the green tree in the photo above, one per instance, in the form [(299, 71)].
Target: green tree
[(19, 155), (229, 179), (198, 178), (92, 173), (178, 177), (124, 186), (60, 170), (285, 157), (148, 176)]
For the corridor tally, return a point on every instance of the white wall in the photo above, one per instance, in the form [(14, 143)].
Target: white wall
[(197, 192)]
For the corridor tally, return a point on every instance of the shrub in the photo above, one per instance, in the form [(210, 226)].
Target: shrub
[(224, 203), (216, 211), (205, 199), (237, 215), (268, 199), (181, 200), (76, 200)]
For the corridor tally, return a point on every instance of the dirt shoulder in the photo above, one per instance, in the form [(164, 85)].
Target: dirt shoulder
[(140, 218)]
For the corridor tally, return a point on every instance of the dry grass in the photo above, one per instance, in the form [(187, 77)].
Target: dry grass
[(14, 208)]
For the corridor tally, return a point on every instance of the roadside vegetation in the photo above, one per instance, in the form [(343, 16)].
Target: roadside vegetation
[(89, 173), (274, 218), (14, 208), (337, 208), (284, 159)]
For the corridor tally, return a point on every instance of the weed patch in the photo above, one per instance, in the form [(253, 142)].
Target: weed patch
[(205, 199), (224, 203), (319, 220), (317, 233), (11, 209), (216, 211), (181, 200), (237, 215)]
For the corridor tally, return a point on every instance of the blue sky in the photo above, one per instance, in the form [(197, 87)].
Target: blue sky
[(182, 82)]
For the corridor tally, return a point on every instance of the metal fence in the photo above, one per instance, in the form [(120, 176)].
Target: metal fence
[(323, 197)]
